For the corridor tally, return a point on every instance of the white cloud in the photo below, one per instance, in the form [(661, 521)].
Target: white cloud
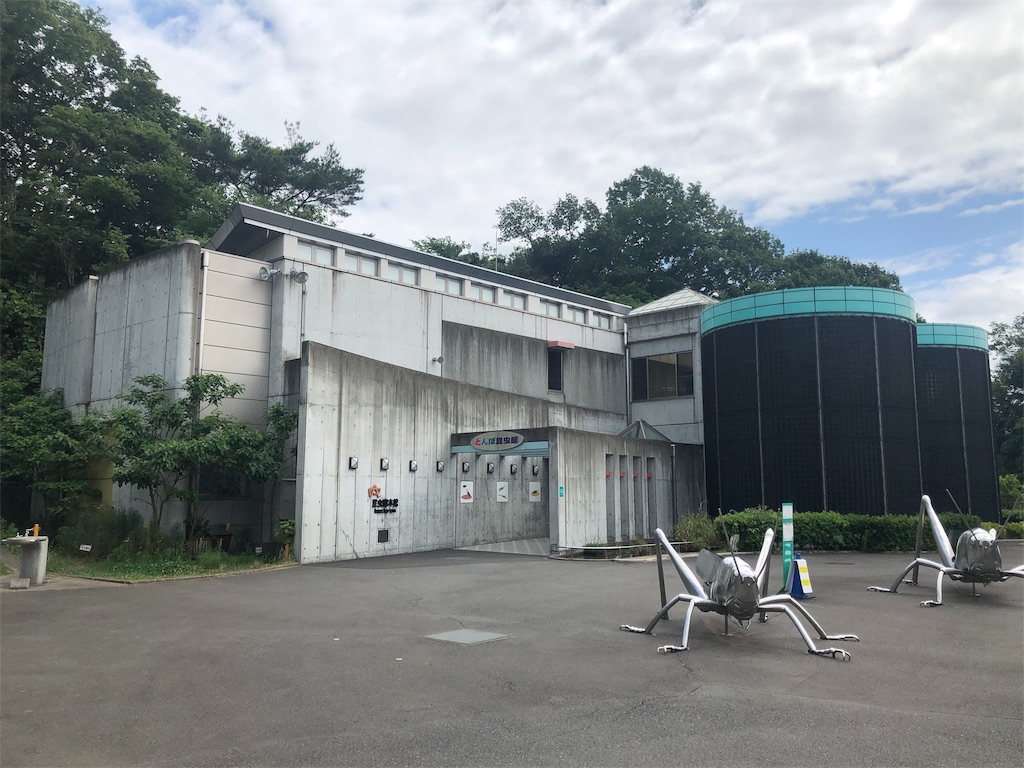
[(992, 208), (993, 293), (456, 108)]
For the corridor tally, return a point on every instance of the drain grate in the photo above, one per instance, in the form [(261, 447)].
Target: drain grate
[(468, 637)]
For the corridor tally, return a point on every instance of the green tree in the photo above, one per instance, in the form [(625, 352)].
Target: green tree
[(448, 248), (162, 442), (98, 165), (45, 449), (1006, 340), (657, 235), (809, 268)]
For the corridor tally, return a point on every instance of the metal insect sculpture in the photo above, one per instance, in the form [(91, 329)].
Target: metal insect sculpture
[(975, 561), (730, 587)]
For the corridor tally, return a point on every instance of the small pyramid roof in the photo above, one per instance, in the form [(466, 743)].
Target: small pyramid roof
[(683, 298)]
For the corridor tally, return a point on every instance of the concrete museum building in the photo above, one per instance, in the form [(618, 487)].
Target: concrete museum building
[(443, 404)]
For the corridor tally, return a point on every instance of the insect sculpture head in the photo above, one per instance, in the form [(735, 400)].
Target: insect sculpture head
[(977, 554)]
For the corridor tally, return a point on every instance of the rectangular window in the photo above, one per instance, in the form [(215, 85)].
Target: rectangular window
[(550, 308), (403, 274), (515, 300), (452, 285), (576, 314), (361, 263), (602, 321), (317, 254), (555, 370), (484, 292), (662, 376)]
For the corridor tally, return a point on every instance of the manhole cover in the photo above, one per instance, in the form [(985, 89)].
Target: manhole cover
[(467, 637)]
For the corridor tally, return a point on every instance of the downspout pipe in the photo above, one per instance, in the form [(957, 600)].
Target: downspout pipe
[(205, 271)]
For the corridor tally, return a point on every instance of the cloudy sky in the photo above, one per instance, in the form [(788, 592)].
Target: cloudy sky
[(890, 132)]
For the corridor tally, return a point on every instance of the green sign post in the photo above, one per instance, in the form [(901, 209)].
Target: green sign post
[(787, 542)]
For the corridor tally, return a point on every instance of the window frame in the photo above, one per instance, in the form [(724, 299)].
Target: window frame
[(315, 249), (479, 291), (641, 376), (403, 270), (444, 284), (514, 300), (360, 260)]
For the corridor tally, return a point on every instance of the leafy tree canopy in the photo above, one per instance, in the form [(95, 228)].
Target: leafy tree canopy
[(1006, 340), (657, 235), (162, 442), (99, 165)]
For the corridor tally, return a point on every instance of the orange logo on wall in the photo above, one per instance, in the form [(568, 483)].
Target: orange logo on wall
[(373, 492)]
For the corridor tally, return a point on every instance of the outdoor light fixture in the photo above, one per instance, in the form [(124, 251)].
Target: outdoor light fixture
[(298, 276), (490, 467), (536, 469), (513, 468), (383, 465), (440, 466), (413, 465), (465, 466), (353, 462), (267, 273)]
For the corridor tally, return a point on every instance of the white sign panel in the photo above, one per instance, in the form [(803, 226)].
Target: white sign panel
[(466, 492), (535, 492), (502, 492), (496, 441)]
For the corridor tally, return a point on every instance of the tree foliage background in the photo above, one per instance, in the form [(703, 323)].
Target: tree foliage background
[(100, 165)]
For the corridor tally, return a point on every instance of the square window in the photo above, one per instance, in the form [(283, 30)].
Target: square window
[(484, 293), (315, 253), (551, 309), (602, 321), (361, 263), (577, 314), (515, 300), (403, 274), (450, 285)]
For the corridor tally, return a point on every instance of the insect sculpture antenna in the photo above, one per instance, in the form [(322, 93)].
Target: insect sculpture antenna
[(721, 520), (967, 524)]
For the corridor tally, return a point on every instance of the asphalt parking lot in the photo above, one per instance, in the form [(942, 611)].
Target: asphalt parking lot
[(335, 665)]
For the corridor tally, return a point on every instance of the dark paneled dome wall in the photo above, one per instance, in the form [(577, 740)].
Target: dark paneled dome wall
[(813, 396)]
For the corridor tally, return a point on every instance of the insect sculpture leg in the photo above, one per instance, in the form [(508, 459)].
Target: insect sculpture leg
[(791, 602), (811, 647), (649, 629), (908, 569)]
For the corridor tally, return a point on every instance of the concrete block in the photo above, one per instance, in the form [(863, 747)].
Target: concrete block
[(19, 583)]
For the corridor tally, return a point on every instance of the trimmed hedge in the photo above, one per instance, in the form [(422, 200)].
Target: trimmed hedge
[(860, 533)]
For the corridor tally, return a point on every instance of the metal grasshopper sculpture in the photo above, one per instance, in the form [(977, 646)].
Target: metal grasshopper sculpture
[(975, 561), (730, 587)]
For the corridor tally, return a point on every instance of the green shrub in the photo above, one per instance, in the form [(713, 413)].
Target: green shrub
[(1014, 530), (9, 531), (751, 524), (820, 530), (105, 529), (700, 530)]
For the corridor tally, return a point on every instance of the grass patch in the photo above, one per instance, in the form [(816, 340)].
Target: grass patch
[(143, 567)]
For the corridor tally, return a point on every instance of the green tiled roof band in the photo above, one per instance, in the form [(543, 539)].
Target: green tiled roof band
[(794, 302), (951, 335)]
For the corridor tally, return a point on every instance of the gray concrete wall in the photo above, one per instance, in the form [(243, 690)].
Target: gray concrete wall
[(135, 320), (235, 331), (69, 346), (607, 489), (519, 364), (353, 406), (681, 419)]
